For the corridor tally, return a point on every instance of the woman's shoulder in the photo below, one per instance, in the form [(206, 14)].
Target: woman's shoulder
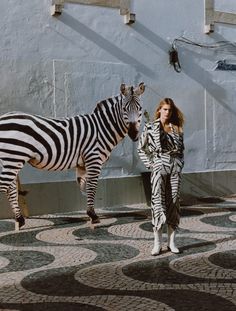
[(153, 125), (178, 129)]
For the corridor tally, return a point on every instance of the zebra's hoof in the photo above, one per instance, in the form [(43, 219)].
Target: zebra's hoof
[(94, 218), (20, 221), (95, 221)]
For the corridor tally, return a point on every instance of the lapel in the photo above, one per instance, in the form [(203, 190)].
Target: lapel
[(156, 126), (156, 134), (175, 137)]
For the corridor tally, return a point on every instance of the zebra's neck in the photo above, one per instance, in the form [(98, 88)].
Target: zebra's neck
[(109, 121)]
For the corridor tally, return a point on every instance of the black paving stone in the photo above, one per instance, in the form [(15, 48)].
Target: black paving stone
[(226, 260), (50, 307), (222, 221), (25, 260), (154, 277), (6, 226)]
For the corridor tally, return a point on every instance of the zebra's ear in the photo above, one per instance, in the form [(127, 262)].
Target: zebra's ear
[(122, 88), (142, 87)]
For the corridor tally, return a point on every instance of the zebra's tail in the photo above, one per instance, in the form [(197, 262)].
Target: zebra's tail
[(82, 184)]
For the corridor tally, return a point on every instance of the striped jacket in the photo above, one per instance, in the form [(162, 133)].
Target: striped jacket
[(151, 149)]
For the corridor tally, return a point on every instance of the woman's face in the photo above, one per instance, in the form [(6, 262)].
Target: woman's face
[(165, 112)]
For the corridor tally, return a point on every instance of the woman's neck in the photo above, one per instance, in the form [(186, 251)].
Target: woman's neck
[(165, 122), (166, 125)]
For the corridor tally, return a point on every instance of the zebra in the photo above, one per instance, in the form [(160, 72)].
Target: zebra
[(83, 142)]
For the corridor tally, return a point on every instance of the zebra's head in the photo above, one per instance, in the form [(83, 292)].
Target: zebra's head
[(132, 109)]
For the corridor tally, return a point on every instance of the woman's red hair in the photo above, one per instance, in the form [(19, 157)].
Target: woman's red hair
[(177, 117)]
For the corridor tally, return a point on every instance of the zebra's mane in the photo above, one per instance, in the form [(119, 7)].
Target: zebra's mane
[(108, 102)]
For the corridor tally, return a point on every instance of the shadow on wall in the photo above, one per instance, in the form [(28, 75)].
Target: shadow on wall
[(106, 45), (204, 78), (190, 65)]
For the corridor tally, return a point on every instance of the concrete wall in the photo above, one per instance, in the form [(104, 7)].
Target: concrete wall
[(64, 196), (61, 66), (59, 197)]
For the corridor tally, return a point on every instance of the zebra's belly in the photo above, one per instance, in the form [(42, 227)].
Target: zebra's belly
[(55, 166)]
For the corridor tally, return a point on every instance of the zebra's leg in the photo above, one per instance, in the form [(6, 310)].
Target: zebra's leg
[(21, 198), (91, 191), (12, 195), (8, 185)]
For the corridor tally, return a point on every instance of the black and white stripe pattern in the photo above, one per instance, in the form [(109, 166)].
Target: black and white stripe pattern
[(163, 153), (83, 142)]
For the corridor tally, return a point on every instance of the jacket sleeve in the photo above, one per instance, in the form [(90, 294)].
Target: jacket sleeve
[(179, 160), (143, 149), (181, 145)]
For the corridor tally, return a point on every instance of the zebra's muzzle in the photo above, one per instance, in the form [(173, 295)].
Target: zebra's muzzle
[(133, 131)]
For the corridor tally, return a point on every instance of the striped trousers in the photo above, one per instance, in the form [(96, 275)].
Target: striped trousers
[(165, 183)]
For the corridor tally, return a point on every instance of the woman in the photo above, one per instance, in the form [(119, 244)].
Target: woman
[(161, 149)]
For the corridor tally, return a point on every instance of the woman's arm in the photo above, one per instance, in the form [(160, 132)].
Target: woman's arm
[(143, 149)]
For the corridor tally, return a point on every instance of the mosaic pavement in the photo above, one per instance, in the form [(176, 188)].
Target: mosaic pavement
[(58, 262)]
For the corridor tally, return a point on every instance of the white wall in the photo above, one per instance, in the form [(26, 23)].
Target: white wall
[(63, 66)]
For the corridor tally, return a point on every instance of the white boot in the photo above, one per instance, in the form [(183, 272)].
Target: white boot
[(157, 241), (171, 240)]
